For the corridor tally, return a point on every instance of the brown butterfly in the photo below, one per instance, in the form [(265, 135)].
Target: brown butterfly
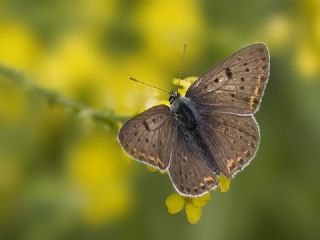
[(209, 131)]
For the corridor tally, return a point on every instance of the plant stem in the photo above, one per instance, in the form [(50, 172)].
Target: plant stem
[(54, 98)]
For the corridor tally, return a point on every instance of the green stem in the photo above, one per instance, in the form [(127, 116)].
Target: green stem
[(53, 98)]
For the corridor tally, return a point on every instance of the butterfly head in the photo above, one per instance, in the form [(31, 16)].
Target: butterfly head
[(173, 97)]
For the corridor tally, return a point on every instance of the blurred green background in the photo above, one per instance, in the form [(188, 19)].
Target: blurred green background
[(62, 176)]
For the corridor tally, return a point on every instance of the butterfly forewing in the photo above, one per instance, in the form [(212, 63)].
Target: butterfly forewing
[(148, 137), (235, 85)]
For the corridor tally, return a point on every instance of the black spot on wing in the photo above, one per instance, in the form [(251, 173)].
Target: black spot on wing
[(146, 125), (229, 73)]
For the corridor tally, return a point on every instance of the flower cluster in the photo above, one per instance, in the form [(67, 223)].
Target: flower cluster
[(175, 202)]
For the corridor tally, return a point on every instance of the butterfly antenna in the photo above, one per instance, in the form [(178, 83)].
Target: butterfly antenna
[(182, 61), (149, 85)]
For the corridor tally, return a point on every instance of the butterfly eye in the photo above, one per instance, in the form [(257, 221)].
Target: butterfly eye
[(173, 97)]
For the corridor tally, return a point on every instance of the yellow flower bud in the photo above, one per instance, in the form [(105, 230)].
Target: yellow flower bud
[(224, 183), (201, 201), (175, 203), (193, 213)]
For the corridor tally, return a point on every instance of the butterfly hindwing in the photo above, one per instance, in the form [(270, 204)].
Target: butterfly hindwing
[(148, 136), (235, 85), (191, 168), (232, 139)]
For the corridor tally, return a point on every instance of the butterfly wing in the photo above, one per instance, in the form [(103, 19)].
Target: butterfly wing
[(233, 140), (148, 137), (235, 85), (191, 168)]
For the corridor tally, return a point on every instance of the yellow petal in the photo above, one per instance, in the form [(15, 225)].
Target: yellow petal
[(175, 203), (182, 91), (224, 183), (191, 79), (184, 84), (193, 213), (175, 81), (201, 201)]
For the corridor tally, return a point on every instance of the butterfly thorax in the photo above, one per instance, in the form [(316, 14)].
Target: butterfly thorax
[(183, 111), (173, 96)]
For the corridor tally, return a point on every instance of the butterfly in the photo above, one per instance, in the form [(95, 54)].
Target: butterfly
[(208, 132)]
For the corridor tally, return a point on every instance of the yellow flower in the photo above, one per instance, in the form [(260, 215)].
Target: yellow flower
[(224, 183), (175, 204)]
